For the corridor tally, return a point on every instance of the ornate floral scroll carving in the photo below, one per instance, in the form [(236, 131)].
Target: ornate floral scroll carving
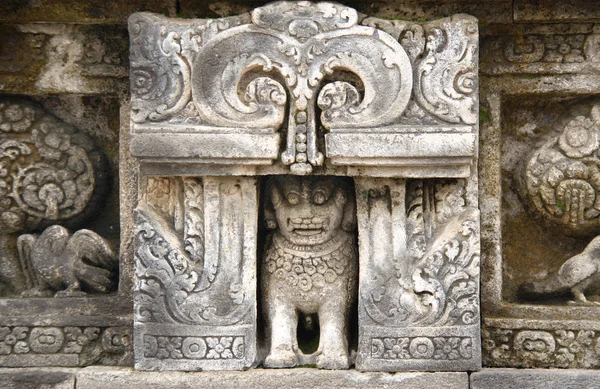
[(440, 286), (174, 278), (90, 343), (551, 48), (289, 52), (562, 177), (308, 43), (194, 347), (438, 348), (446, 75), (566, 348)]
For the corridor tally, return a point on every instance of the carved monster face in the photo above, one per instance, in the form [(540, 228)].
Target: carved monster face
[(309, 210)]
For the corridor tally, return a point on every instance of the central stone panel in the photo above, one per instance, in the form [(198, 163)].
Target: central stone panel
[(361, 134)]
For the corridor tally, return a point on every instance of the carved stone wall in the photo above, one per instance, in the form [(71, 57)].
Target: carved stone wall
[(253, 94), (539, 161), (138, 140)]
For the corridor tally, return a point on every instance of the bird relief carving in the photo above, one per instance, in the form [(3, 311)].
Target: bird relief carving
[(50, 172), (561, 184), (67, 265)]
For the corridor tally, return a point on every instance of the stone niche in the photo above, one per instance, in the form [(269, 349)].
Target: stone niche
[(305, 169), (540, 198), (64, 293)]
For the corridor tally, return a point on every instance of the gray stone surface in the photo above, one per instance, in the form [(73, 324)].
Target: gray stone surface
[(37, 378), (309, 268), (195, 287), (418, 306), (535, 379), (114, 378), (216, 94), (53, 173), (539, 298)]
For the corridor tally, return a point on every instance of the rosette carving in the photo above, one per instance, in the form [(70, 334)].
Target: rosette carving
[(562, 177), (48, 175)]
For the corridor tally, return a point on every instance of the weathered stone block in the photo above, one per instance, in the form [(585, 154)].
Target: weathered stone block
[(73, 11), (534, 379), (551, 11), (195, 298), (538, 167), (115, 378), (54, 176), (41, 378)]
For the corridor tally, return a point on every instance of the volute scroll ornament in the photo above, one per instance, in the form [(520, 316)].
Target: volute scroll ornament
[(244, 75), (319, 119)]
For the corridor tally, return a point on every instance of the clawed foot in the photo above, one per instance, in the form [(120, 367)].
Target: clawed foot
[(580, 299), (281, 357), (37, 292), (70, 293), (333, 362), (584, 302)]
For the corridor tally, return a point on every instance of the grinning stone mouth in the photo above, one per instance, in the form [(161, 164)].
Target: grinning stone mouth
[(308, 226)]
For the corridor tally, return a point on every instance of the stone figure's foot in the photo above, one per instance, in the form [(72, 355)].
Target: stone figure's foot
[(580, 299), (333, 362), (281, 357), (37, 292), (583, 302), (70, 293)]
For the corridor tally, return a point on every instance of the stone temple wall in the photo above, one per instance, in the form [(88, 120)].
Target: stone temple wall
[(299, 194)]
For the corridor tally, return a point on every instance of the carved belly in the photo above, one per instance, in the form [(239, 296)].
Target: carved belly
[(307, 268)]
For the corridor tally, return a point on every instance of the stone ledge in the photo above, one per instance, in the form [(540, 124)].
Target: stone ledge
[(98, 377), (102, 377), (535, 379), (37, 378)]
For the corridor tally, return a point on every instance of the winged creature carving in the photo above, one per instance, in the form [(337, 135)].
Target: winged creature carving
[(69, 265), (578, 274)]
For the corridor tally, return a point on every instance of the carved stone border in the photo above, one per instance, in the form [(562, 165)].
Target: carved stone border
[(506, 325)]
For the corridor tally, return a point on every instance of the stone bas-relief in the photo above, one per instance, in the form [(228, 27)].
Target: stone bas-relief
[(577, 275), (419, 286), (276, 99), (563, 176), (542, 308), (196, 282), (561, 181), (58, 261), (309, 267), (49, 173)]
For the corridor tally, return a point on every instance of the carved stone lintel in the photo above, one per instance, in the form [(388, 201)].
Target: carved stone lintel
[(220, 88)]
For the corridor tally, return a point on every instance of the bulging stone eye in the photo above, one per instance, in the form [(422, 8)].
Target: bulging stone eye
[(293, 198), (319, 197)]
